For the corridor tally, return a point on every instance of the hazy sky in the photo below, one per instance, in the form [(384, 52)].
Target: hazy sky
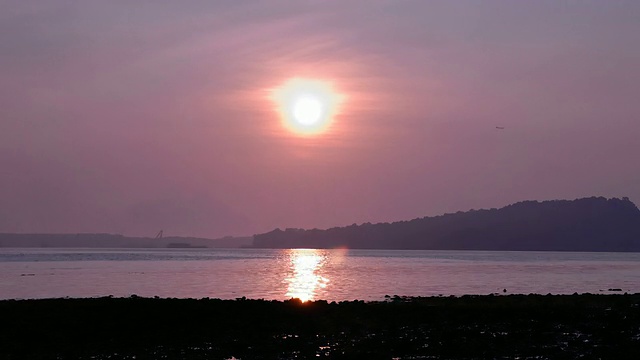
[(135, 116)]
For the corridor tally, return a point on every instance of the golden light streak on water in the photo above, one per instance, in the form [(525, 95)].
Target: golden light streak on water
[(304, 279)]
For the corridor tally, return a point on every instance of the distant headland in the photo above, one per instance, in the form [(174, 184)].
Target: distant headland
[(588, 224)]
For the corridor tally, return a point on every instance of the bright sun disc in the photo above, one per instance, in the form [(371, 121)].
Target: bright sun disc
[(307, 110), (306, 106)]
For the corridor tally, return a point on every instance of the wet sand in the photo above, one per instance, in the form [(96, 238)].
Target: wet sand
[(468, 327)]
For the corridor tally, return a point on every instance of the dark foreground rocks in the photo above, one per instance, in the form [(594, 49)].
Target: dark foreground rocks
[(468, 327)]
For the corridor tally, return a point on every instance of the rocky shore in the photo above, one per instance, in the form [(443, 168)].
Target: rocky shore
[(468, 327)]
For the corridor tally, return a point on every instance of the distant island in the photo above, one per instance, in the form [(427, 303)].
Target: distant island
[(117, 241), (589, 224)]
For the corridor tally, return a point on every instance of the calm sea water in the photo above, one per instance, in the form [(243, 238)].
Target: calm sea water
[(307, 274)]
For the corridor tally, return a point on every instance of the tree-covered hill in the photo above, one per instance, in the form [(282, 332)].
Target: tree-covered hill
[(589, 224)]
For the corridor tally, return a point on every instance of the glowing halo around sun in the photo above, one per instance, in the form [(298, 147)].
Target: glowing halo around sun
[(306, 106)]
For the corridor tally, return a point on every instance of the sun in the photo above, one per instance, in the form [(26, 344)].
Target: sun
[(306, 106), (307, 110)]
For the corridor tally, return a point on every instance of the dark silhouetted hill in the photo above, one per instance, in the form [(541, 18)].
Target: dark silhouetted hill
[(590, 224)]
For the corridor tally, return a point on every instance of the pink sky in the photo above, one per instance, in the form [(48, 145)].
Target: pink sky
[(131, 117)]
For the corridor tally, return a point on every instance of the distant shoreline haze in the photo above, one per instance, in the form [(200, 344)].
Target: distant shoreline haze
[(588, 224), (117, 241)]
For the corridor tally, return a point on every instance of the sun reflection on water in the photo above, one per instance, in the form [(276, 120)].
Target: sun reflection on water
[(304, 279)]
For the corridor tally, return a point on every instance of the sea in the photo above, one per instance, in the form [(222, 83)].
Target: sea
[(308, 274)]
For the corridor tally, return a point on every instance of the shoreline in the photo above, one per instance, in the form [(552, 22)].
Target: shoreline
[(447, 327)]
